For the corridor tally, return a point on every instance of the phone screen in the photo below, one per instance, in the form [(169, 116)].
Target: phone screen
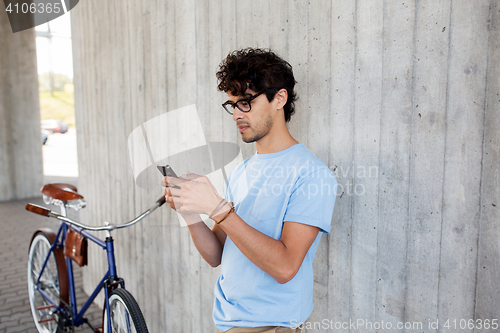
[(166, 170)]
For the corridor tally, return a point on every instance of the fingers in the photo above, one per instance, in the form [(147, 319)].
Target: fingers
[(172, 192), (171, 181), (175, 192), (190, 176), (188, 192), (169, 184), (174, 180), (170, 201)]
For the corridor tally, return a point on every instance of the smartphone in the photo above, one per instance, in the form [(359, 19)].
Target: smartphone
[(166, 170)]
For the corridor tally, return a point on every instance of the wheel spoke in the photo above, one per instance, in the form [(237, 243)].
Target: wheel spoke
[(120, 317), (36, 260), (127, 319), (48, 282)]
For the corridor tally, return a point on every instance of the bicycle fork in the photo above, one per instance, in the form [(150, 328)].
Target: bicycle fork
[(113, 281)]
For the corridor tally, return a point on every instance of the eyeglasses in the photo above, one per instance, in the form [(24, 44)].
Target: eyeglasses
[(243, 104)]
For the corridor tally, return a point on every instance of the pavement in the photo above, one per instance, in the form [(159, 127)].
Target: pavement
[(16, 229)]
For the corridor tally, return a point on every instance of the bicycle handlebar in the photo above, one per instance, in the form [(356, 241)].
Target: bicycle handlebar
[(37, 209), (48, 213)]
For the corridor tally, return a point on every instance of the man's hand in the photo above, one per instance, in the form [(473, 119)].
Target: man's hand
[(168, 197), (195, 195)]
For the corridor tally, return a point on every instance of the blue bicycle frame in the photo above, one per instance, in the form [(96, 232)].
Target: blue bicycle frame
[(109, 282), (110, 278)]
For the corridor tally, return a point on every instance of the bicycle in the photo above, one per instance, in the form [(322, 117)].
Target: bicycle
[(50, 273)]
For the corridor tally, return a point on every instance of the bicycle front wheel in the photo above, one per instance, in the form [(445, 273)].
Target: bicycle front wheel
[(52, 281), (126, 316)]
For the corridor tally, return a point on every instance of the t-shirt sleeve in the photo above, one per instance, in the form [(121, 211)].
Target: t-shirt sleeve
[(312, 200)]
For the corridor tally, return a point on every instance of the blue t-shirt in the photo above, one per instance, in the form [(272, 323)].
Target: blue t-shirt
[(268, 190)]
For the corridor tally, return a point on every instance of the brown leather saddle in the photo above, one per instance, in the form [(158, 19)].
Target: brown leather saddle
[(61, 191)]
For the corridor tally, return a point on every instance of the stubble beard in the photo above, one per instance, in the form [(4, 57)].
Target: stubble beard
[(260, 130)]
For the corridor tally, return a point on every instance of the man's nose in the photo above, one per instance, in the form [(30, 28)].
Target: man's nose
[(238, 114)]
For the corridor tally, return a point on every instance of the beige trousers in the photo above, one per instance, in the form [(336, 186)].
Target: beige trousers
[(262, 329)]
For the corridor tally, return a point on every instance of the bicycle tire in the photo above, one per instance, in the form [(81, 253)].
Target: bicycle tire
[(54, 281), (124, 307)]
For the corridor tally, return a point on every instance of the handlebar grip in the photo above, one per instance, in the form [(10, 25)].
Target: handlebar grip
[(37, 209), (161, 201)]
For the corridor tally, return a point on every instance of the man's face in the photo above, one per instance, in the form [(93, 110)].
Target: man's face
[(256, 123)]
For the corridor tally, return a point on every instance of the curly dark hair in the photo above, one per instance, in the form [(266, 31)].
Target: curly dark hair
[(259, 70)]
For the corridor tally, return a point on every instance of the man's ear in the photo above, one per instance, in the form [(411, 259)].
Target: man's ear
[(281, 98)]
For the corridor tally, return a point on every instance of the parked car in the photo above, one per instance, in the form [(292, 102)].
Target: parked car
[(54, 126), (45, 136)]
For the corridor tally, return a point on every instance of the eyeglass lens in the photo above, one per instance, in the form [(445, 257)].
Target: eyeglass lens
[(243, 105)]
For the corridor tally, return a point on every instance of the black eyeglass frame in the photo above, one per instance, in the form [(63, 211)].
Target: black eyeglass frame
[(235, 104)]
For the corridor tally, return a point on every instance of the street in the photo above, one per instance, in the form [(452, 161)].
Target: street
[(60, 156)]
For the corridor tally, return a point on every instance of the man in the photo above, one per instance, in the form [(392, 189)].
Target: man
[(276, 203)]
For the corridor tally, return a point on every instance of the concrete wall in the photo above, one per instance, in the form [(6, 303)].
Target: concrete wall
[(21, 168), (399, 97)]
